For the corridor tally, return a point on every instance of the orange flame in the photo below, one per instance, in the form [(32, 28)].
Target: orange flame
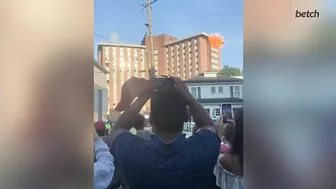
[(216, 41)]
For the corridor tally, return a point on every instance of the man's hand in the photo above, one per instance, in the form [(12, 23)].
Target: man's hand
[(179, 84), (200, 116), (220, 120), (126, 119), (131, 89)]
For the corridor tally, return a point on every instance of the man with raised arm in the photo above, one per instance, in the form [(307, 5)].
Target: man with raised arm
[(169, 160)]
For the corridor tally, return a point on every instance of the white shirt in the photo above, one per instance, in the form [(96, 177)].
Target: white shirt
[(103, 167)]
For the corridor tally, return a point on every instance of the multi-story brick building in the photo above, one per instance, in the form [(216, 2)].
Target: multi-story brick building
[(184, 58)]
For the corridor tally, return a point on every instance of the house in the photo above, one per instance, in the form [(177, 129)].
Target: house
[(238, 77), (100, 92), (216, 93)]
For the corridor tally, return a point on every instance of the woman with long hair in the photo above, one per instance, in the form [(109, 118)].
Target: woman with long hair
[(229, 169)]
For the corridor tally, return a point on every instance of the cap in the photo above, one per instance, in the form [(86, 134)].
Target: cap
[(99, 125)]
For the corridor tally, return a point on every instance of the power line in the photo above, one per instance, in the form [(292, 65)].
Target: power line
[(106, 38), (102, 36), (148, 4)]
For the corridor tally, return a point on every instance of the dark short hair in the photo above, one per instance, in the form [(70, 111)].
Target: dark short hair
[(139, 122), (168, 111), (237, 142)]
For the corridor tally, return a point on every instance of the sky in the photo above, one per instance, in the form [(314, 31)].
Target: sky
[(122, 21)]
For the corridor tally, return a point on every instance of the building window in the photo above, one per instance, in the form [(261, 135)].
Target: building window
[(236, 91), (214, 50), (107, 64), (193, 92), (107, 51), (220, 89), (217, 112), (213, 89)]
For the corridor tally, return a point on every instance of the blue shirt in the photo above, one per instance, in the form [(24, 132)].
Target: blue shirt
[(186, 163)]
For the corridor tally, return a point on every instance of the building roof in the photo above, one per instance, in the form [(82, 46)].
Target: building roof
[(238, 77), (100, 67), (219, 78), (186, 38), (121, 45), (167, 44), (220, 100)]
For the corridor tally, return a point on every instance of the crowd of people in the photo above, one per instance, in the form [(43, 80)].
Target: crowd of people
[(164, 158)]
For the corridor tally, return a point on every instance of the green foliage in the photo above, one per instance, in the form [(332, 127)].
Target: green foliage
[(230, 71)]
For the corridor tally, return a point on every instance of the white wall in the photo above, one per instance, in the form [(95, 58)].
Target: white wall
[(100, 96), (206, 92), (100, 109), (213, 107), (99, 77)]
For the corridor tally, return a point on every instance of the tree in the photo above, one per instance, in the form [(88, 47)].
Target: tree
[(230, 71)]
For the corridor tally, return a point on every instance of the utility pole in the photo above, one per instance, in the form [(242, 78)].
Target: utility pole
[(151, 65)]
